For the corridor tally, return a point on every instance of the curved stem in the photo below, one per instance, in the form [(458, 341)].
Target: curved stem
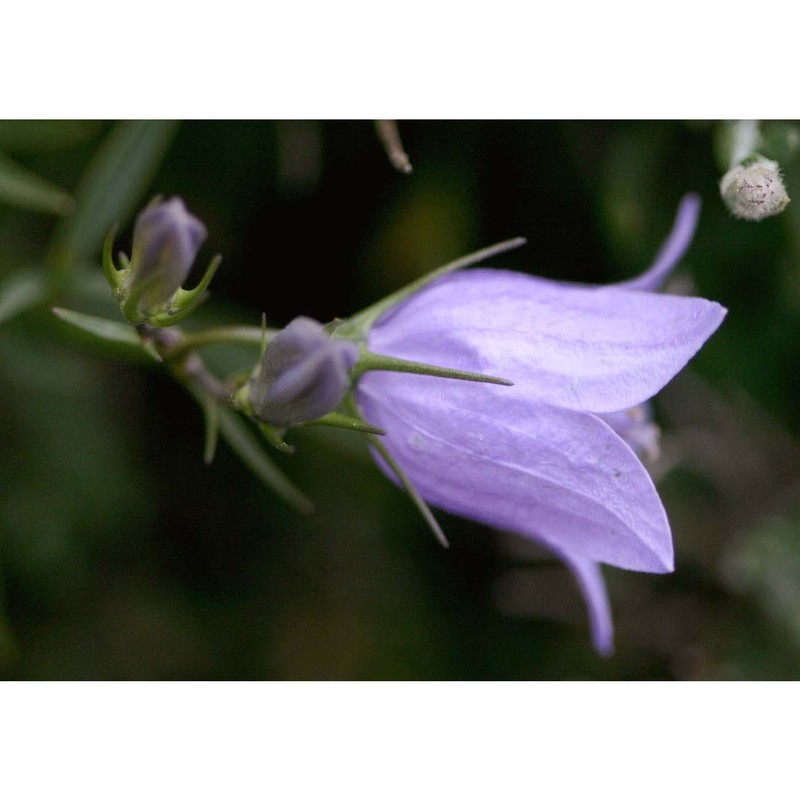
[(225, 334)]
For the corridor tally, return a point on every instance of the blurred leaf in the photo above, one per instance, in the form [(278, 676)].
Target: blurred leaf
[(24, 189), (629, 192), (766, 564), (35, 136), (109, 330), (211, 414), (240, 437), (781, 141), (112, 186), (22, 290), (734, 141)]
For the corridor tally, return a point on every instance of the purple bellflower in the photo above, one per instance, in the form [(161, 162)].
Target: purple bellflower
[(553, 457)]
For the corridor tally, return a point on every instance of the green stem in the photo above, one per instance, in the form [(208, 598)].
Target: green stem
[(226, 334)]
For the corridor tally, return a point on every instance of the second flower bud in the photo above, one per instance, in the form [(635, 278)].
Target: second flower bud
[(303, 375)]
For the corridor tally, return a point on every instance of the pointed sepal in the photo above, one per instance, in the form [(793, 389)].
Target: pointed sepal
[(415, 496), (186, 301), (372, 361), (335, 419), (113, 275)]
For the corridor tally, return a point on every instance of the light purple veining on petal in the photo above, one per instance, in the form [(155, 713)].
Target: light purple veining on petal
[(552, 473), (590, 580), (587, 348), (673, 249)]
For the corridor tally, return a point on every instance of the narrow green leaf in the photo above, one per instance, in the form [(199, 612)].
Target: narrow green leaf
[(211, 414), (25, 189), (241, 438), (112, 186), (44, 136), (107, 329), (20, 291)]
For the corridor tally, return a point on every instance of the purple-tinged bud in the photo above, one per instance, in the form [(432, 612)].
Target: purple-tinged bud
[(166, 238), (303, 374)]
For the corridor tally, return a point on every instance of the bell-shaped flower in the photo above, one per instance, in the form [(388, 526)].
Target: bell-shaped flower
[(303, 374), (166, 239), (550, 457)]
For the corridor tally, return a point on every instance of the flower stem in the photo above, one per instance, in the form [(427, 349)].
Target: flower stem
[(226, 334)]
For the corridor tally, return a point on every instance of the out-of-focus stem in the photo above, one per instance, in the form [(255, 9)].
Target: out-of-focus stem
[(390, 137)]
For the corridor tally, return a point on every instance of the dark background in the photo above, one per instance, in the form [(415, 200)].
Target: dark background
[(122, 556)]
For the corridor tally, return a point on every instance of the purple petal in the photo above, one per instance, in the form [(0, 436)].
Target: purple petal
[(590, 580), (586, 348), (672, 250), (560, 476)]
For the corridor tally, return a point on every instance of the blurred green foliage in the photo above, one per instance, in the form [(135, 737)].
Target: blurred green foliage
[(123, 556)]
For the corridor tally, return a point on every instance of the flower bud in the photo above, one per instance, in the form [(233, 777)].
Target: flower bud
[(754, 190), (303, 374), (166, 238)]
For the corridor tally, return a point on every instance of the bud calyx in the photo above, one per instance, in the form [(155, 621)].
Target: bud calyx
[(303, 374)]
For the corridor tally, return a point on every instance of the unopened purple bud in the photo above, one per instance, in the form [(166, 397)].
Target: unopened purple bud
[(166, 238), (303, 374)]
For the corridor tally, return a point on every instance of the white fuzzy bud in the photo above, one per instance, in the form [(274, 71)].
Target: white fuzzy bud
[(754, 190)]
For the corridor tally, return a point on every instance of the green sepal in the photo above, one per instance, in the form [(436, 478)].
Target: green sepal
[(241, 399), (372, 361), (129, 304), (335, 419), (358, 326), (113, 275), (416, 498), (185, 301), (275, 437)]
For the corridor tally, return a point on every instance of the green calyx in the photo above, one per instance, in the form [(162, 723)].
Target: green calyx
[(129, 292)]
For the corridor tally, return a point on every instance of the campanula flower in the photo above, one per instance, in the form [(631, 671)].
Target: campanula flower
[(552, 457)]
